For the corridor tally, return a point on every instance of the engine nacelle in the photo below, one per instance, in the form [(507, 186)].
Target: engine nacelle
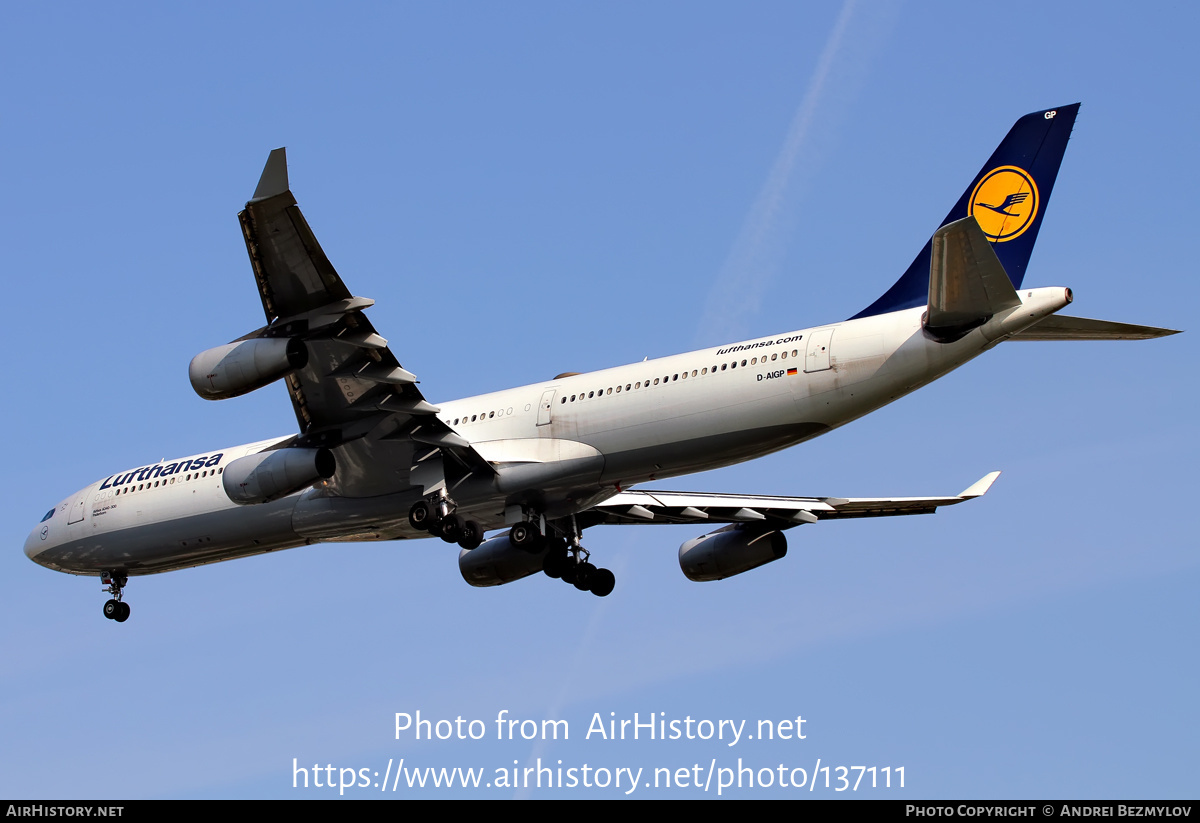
[(238, 368), (270, 475), (497, 561), (729, 551)]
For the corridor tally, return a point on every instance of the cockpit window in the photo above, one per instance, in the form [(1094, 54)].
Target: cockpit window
[(49, 514)]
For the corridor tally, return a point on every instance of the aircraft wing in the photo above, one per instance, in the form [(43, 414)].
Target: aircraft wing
[(641, 507), (353, 392)]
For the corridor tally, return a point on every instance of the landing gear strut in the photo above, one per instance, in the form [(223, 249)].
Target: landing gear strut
[(436, 515), (116, 608), (568, 561)]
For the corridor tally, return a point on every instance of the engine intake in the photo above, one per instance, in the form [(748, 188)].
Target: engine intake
[(237, 368), (729, 551), (270, 475)]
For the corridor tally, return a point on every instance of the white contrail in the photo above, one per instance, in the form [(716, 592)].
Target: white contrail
[(739, 289)]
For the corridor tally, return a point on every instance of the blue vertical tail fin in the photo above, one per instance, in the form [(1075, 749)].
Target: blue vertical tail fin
[(1008, 198)]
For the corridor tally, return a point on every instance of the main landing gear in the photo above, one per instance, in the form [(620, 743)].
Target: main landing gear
[(116, 608), (565, 559), (437, 517)]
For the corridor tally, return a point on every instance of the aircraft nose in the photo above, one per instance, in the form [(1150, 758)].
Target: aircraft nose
[(37, 541)]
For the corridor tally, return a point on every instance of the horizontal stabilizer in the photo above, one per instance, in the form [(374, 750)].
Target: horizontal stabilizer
[(1062, 327), (967, 283)]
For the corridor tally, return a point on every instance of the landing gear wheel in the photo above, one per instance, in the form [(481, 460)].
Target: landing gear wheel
[(603, 582), (525, 536), (451, 528), (569, 570), (420, 516), (471, 535), (584, 572), (114, 583), (556, 559)]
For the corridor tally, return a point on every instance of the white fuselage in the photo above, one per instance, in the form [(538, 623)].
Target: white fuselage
[(560, 446)]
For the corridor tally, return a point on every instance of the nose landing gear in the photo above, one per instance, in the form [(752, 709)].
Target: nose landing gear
[(116, 608)]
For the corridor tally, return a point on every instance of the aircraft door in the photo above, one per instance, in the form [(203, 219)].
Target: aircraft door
[(77, 510), (546, 407), (816, 358)]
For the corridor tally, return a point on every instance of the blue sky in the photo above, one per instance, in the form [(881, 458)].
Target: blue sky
[(527, 189)]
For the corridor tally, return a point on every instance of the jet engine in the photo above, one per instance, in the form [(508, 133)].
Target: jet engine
[(497, 561), (237, 368), (729, 551), (270, 475)]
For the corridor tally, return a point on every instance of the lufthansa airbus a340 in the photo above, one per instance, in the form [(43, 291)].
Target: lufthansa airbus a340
[(375, 460)]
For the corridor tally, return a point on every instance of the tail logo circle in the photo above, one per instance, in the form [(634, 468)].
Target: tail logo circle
[(1004, 201)]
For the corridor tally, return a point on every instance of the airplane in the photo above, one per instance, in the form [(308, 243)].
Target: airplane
[(373, 459)]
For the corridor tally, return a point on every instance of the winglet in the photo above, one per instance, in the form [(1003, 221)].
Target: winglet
[(979, 487), (274, 178)]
